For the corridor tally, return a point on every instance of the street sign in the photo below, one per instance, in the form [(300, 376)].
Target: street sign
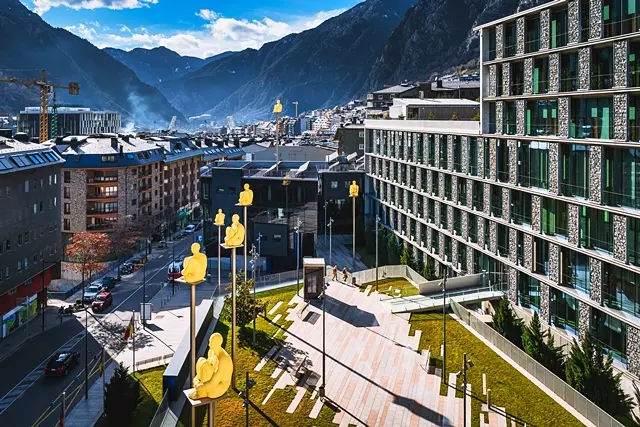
[(200, 239)]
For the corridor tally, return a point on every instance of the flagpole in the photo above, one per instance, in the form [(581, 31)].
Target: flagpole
[(64, 403), (102, 374), (133, 332)]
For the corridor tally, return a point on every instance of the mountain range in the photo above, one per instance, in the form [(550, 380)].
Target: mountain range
[(29, 44), (374, 43)]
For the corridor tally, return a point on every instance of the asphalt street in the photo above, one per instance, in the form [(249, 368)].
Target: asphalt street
[(27, 393)]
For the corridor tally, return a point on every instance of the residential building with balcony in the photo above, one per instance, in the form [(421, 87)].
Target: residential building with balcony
[(545, 189), (30, 247)]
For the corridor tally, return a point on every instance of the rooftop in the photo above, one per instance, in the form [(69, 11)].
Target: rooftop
[(19, 156), (519, 14), (436, 102), (395, 89), (432, 126)]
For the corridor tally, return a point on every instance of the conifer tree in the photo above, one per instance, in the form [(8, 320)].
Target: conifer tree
[(507, 323)]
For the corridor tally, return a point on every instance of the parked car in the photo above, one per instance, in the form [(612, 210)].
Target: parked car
[(198, 225), (102, 301), (138, 262), (108, 282), (190, 228), (92, 292), (162, 244), (61, 363), (126, 268)]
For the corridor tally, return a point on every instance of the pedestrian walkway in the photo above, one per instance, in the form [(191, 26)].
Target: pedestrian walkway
[(27, 332), (340, 254), (155, 343)]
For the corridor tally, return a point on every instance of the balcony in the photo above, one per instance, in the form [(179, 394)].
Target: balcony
[(100, 227), (144, 187), (104, 196), (144, 202), (101, 179), (101, 213)]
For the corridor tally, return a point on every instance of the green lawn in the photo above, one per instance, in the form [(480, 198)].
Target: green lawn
[(509, 388), (389, 287)]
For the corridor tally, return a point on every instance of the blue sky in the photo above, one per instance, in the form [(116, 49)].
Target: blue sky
[(190, 27)]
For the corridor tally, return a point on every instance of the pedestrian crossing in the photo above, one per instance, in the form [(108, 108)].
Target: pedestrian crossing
[(34, 375)]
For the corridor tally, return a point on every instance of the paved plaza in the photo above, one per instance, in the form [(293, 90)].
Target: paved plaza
[(375, 375)]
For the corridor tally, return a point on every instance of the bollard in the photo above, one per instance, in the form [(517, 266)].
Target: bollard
[(488, 398)]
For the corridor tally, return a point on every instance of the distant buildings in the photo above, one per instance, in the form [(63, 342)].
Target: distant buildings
[(350, 138), (30, 247), (70, 121)]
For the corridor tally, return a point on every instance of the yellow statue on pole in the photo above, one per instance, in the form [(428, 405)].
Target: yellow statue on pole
[(277, 109), (219, 220), (213, 372), (354, 189), (234, 234), (194, 267), (246, 196)]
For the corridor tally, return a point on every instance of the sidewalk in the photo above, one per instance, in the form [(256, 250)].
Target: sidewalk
[(17, 339), (154, 345)]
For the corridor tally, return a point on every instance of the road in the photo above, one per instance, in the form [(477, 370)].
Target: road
[(26, 392)]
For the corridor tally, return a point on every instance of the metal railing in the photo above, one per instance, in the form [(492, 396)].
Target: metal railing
[(161, 412), (564, 391)]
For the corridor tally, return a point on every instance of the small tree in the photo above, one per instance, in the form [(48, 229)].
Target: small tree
[(590, 372), (533, 340), (507, 323), (123, 241), (428, 272), (431, 116), (404, 256), (476, 117), (246, 304), (394, 249), (85, 251), (121, 397), (454, 116)]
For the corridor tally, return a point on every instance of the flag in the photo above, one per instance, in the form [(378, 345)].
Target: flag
[(130, 328)]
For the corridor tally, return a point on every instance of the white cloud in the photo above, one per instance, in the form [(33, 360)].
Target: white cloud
[(42, 6), (219, 34), (83, 31), (125, 29)]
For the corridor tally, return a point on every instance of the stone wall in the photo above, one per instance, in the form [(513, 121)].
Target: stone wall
[(584, 68), (536, 213), (553, 167), (595, 173), (595, 288), (554, 72), (573, 224), (78, 201), (584, 316), (574, 21), (545, 37), (563, 117), (595, 19), (620, 63), (528, 252), (633, 350), (512, 292), (544, 303), (620, 116), (620, 237)]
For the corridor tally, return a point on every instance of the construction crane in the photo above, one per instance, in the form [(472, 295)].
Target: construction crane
[(296, 104), (46, 87), (172, 123)]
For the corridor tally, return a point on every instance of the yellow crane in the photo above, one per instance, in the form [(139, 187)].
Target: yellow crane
[(45, 89)]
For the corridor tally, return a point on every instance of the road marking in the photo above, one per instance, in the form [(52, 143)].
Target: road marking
[(31, 378)]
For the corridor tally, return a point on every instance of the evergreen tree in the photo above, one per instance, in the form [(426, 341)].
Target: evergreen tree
[(428, 272), (394, 249), (507, 323), (555, 359), (245, 302), (533, 340), (591, 373), (121, 397), (404, 257)]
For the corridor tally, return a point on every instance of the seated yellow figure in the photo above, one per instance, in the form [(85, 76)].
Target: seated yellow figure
[(194, 268), (277, 109), (354, 189), (234, 234), (219, 220), (246, 196), (213, 373)]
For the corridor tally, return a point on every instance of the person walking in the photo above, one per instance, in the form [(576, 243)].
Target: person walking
[(335, 273), (345, 275)]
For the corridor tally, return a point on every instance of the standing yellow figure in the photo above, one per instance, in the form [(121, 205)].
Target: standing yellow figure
[(219, 220), (277, 109), (194, 267), (246, 196), (234, 234), (354, 189), (213, 373)]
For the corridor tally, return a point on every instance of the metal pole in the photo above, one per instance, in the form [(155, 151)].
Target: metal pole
[(86, 345), (330, 232), (212, 413), (464, 392), (444, 326), (133, 336), (233, 316), (377, 227), (353, 249), (246, 393), (104, 377), (253, 276), (64, 407), (192, 329), (245, 244), (297, 262), (44, 299), (277, 147), (219, 248), (144, 293), (324, 353), (173, 261), (325, 223)]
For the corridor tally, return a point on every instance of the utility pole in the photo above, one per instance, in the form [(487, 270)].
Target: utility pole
[(377, 228), (330, 233), (444, 325), (244, 394)]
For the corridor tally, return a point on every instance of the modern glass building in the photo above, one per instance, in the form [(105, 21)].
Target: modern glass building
[(546, 188)]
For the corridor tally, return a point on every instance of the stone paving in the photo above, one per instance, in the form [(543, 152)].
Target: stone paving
[(375, 375)]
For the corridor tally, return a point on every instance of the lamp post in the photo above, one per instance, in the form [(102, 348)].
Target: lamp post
[(44, 297), (330, 232), (144, 291), (254, 261), (353, 244), (377, 227), (321, 392), (297, 228), (466, 364), (326, 203), (444, 324), (248, 385), (277, 109)]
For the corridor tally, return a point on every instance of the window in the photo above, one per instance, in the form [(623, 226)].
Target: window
[(585, 18), (564, 311), (108, 159), (521, 210), (576, 270), (7, 272), (41, 206), (487, 158), (559, 26), (478, 196), (533, 164), (67, 192), (7, 245), (26, 237), (134, 202), (517, 78), (20, 239), (574, 170), (334, 185), (457, 153), (620, 17), (496, 201), (26, 262), (620, 289), (502, 161), (510, 39), (620, 177), (67, 208), (602, 68), (541, 75), (596, 229), (554, 217), (492, 43), (67, 224), (473, 156), (67, 177), (35, 208), (509, 119), (569, 72), (541, 117), (277, 238), (444, 152), (634, 64), (532, 34), (19, 265), (634, 117), (26, 186)]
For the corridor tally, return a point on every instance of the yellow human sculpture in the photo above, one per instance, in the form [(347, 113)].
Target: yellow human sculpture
[(194, 267), (213, 373), (354, 189), (246, 196), (234, 234), (277, 109), (219, 220)]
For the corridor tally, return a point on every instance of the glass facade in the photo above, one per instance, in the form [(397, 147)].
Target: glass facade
[(620, 17), (502, 161), (633, 241), (569, 72), (621, 177), (510, 39), (509, 119), (611, 333), (554, 217), (559, 28), (574, 170), (602, 68), (521, 208), (528, 291), (517, 78), (541, 118), (634, 64), (473, 156), (541, 75), (620, 289), (634, 117), (576, 270), (532, 34), (533, 164), (595, 229), (564, 311), (591, 118)]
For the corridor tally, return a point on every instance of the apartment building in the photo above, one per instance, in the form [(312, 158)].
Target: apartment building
[(109, 179), (547, 190), (30, 250), (69, 120)]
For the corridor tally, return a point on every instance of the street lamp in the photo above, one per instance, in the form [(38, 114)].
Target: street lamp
[(377, 228), (144, 290), (443, 284), (254, 261), (321, 391), (297, 228), (44, 297), (326, 203), (248, 385), (330, 232)]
